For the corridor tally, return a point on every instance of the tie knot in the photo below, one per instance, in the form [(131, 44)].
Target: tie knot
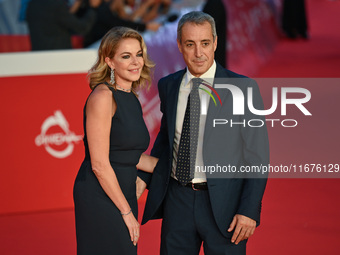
[(196, 82)]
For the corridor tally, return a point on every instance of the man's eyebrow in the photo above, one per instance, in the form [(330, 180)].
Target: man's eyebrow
[(204, 40)]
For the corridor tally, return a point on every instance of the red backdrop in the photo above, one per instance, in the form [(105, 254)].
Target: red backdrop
[(33, 179)]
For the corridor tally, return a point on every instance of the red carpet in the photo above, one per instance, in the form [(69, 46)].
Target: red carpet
[(317, 57), (300, 216)]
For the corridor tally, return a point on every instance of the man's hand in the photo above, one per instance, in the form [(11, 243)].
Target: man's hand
[(140, 187), (244, 228)]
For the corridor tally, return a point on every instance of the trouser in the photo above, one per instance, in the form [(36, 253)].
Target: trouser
[(188, 223)]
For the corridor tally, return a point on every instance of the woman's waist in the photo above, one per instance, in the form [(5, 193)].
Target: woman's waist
[(125, 158)]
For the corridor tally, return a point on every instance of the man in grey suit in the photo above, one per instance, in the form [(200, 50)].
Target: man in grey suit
[(220, 210)]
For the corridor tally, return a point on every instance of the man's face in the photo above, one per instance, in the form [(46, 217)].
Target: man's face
[(197, 47)]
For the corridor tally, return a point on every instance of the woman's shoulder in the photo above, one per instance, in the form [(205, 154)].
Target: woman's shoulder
[(100, 86), (101, 102), (100, 95)]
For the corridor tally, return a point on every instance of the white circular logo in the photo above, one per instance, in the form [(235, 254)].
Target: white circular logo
[(57, 139)]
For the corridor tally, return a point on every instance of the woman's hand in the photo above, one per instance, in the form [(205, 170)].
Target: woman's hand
[(133, 226)]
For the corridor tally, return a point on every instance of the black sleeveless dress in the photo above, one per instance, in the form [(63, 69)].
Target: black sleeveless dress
[(100, 228)]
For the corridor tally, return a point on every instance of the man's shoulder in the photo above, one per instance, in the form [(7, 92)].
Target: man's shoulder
[(168, 81), (237, 79), (173, 76), (222, 72), (232, 74)]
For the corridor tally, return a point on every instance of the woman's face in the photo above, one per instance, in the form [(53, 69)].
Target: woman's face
[(127, 62)]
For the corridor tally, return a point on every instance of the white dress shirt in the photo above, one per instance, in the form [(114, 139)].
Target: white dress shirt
[(184, 92)]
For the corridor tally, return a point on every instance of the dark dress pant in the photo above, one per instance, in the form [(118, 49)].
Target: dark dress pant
[(188, 223), (294, 18)]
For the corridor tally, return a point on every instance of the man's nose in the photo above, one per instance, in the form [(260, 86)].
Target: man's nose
[(198, 51)]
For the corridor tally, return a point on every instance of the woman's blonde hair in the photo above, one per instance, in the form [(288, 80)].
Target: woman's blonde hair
[(100, 71)]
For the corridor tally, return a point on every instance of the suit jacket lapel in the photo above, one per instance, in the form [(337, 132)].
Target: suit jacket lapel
[(173, 87), (212, 109)]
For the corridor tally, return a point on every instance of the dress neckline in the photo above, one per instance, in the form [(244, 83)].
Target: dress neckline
[(116, 89)]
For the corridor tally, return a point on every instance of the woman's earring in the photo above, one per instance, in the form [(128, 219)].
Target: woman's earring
[(112, 76)]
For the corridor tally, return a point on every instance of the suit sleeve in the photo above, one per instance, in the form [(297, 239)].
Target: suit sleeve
[(256, 153), (161, 143)]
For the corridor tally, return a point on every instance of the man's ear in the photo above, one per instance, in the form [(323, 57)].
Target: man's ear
[(215, 43), (179, 45)]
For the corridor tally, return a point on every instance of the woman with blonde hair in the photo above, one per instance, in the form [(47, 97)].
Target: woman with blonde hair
[(115, 137)]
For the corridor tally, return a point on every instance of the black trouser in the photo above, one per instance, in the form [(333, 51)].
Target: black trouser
[(294, 18), (188, 222)]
